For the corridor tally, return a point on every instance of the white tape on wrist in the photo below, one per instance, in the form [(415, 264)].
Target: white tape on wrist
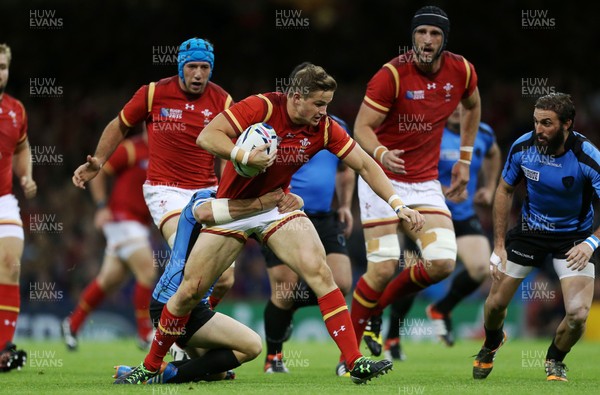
[(220, 209), (392, 198), (233, 154), (245, 158), (495, 259)]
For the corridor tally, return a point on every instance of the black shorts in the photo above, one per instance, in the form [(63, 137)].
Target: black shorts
[(529, 248), (200, 315), (468, 227), (330, 232)]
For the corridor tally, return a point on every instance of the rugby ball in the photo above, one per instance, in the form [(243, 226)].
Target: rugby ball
[(255, 136)]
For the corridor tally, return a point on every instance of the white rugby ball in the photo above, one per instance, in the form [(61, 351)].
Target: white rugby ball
[(255, 136)]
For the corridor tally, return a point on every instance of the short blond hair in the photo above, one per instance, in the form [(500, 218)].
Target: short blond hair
[(5, 49)]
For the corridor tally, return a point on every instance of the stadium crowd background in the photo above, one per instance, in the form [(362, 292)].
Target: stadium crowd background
[(75, 64)]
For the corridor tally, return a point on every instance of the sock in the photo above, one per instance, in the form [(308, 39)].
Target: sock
[(462, 286), (91, 297), (196, 369), (364, 300), (339, 325), (555, 353), (309, 297), (10, 304), (213, 301), (408, 282), (277, 321), (169, 329), (398, 312), (493, 337), (141, 304)]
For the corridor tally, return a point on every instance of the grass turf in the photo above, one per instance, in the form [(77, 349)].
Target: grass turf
[(430, 369)]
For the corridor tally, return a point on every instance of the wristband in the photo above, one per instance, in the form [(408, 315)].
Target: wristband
[(376, 153), (233, 154), (593, 242), (245, 158), (394, 197), (101, 204), (466, 154)]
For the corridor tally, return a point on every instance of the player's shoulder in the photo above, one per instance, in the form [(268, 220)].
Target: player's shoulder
[(341, 122), (164, 82), (582, 147), (523, 143), (12, 102)]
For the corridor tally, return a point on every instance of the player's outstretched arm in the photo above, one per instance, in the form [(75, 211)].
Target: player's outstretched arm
[(370, 171), (221, 211), (111, 137)]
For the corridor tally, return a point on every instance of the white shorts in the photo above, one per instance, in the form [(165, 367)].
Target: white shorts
[(123, 238), (166, 202), (427, 197), (10, 218), (263, 225)]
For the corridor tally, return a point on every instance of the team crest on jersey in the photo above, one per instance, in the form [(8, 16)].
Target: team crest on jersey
[(448, 88), (207, 113), (415, 95), (13, 116), (531, 174), (171, 113), (304, 143), (568, 181)]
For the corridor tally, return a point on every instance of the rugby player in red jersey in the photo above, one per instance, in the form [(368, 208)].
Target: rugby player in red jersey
[(303, 129), (400, 123), (175, 110), (15, 157)]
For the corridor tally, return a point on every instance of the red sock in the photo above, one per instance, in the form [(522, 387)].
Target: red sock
[(364, 300), (10, 304), (409, 281), (213, 301), (169, 329), (141, 304), (92, 296), (339, 325)]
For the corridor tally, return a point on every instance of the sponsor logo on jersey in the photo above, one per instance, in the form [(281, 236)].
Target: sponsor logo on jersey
[(415, 95), (431, 86), (531, 174), (171, 113)]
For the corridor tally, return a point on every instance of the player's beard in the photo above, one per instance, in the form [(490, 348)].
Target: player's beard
[(552, 144)]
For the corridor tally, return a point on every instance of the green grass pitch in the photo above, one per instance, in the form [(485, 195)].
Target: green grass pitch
[(430, 369)]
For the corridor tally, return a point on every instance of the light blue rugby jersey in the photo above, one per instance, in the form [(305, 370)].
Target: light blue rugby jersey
[(450, 153), (560, 189)]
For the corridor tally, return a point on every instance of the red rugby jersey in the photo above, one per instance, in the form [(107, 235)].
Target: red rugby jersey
[(296, 144), (13, 131), (173, 122), (417, 106), (128, 165)]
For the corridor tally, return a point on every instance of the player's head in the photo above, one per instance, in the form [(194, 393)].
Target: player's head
[(197, 51), (429, 16), (310, 91), (553, 117), (5, 58)]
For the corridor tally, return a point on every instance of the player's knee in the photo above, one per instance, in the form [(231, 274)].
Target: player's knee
[(478, 273), (10, 264), (380, 274), (440, 269), (577, 316), (495, 303), (383, 249), (252, 348)]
